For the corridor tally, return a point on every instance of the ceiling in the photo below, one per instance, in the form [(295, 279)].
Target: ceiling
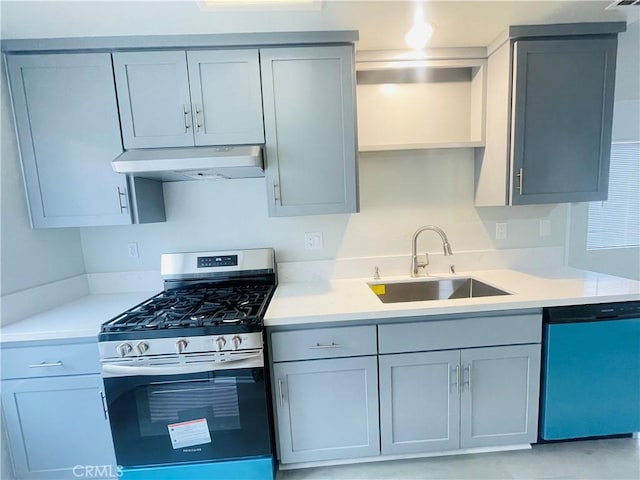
[(382, 24)]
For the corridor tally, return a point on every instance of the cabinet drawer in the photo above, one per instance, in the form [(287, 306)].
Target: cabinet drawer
[(460, 333), (50, 361), (324, 343)]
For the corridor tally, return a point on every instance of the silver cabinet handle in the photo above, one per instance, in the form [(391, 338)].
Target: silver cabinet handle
[(468, 382), (104, 405), (185, 113), (281, 393), (520, 174), (458, 379), (465, 378), (45, 364), (197, 110), (276, 197), (122, 199), (320, 345)]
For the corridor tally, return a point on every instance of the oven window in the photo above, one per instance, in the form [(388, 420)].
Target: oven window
[(228, 408), (215, 399)]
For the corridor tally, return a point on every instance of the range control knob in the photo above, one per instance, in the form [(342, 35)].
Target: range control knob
[(220, 343), (236, 341), (141, 347), (181, 345), (123, 349)]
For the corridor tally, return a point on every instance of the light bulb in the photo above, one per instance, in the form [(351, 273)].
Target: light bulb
[(419, 34), (388, 88)]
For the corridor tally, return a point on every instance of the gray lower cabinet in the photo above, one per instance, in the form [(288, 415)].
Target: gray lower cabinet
[(178, 98), (499, 395), (310, 130), (419, 402), (327, 409), (54, 412), (68, 129), (445, 400)]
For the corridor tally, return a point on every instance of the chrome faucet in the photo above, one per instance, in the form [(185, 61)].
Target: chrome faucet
[(415, 265)]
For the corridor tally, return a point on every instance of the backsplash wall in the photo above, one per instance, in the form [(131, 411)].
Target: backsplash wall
[(399, 191)]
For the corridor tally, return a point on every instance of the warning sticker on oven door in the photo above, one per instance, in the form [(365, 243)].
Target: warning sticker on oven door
[(186, 434)]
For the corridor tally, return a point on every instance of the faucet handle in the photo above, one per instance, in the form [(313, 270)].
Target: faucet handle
[(376, 273)]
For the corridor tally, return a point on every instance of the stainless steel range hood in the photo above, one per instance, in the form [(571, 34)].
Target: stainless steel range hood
[(193, 163)]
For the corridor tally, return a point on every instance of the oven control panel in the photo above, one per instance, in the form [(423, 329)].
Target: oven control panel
[(183, 345), (218, 261)]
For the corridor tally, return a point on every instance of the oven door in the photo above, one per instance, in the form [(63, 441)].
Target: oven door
[(186, 418)]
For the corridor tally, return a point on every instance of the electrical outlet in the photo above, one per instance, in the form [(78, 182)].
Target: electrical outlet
[(545, 227), (313, 241), (132, 249), (501, 231)]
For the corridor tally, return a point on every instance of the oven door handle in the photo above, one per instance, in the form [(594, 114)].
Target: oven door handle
[(240, 361)]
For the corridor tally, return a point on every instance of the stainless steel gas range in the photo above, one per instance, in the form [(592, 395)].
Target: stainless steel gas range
[(184, 372)]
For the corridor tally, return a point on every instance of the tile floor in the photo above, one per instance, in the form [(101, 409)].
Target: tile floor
[(611, 459)]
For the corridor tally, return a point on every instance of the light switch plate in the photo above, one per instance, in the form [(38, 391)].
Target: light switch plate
[(313, 241), (545, 227), (501, 231), (132, 250)]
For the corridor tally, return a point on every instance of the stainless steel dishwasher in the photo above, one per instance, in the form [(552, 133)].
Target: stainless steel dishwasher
[(590, 371)]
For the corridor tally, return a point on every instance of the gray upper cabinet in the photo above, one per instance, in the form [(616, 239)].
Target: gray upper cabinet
[(549, 117), (68, 132), (562, 119), (310, 129), (180, 98), (154, 99)]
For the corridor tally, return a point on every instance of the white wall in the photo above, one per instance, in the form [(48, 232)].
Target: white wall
[(398, 193), (29, 257), (382, 24), (626, 127)]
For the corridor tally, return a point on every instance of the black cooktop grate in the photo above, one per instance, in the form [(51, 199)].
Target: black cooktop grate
[(203, 305)]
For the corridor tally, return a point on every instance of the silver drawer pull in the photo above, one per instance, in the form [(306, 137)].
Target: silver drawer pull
[(331, 345), (45, 364)]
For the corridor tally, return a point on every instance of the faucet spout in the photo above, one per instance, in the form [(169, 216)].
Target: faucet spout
[(415, 265)]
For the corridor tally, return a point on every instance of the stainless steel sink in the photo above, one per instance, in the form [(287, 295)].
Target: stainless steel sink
[(441, 289)]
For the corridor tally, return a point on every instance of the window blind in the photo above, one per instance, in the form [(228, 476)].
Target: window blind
[(615, 223)]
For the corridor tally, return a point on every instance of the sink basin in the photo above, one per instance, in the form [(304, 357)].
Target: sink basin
[(441, 289)]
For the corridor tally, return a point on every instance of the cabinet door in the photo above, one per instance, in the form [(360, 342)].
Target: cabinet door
[(226, 96), (309, 114), (419, 402), (500, 393), (154, 99), (68, 130), (562, 115), (56, 424), (327, 409)]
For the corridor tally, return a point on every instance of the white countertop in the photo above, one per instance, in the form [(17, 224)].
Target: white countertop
[(76, 319), (296, 303), (352, 299)]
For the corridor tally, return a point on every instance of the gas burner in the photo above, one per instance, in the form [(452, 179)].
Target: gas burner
[(198, 300), (199, 306)]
